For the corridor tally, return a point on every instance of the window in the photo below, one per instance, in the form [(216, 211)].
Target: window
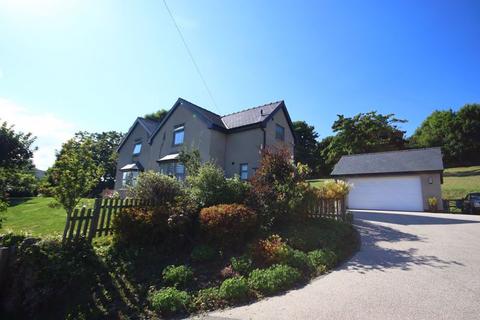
[(179, 171), (279, 132), (244, 171), (129, 178), (137, 149), (178, 134), (173, 169)]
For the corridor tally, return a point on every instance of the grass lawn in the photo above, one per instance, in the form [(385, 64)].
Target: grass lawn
[(457, 182), (35, 216)]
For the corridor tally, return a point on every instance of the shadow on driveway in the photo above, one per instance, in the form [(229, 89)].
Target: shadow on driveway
[(409, 219), (380, 244)]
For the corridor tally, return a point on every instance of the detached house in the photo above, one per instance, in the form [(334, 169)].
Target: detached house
[(234, 142)]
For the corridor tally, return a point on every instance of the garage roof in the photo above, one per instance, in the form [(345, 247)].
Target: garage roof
[(403, 161)]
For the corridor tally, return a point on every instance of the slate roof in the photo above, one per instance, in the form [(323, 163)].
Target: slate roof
[(403, 161), (250, 116), (149, 125)]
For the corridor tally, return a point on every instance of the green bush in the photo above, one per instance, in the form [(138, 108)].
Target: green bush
[(169, 300), (203, 253), (242, 265), (207, 299), (274, 279), (227, 224), (234, 289), (156, 188), (210, 187), (177, 275), (322, 259), (297, 259)]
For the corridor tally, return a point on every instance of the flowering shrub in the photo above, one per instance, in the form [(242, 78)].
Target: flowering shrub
[(227, 224), (334, 189)]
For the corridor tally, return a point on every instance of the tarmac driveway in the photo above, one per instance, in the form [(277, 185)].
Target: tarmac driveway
[(410, 266)]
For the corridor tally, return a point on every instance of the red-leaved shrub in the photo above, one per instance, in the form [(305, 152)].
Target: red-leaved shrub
[(227, 224), (269, 251)]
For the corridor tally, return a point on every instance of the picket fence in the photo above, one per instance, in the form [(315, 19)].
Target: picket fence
[(95, 221)]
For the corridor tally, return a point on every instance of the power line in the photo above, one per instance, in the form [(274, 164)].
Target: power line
[(190, 54)]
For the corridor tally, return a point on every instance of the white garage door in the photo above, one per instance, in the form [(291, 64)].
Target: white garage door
[(386, 193)]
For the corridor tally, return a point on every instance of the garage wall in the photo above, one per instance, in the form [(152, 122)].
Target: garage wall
[(431, 190)]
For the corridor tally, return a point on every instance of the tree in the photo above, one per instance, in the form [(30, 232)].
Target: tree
[(75, 172), (457, 133), (103, 148), (306, 146), (156, 116), (362, 133), (16, 149)]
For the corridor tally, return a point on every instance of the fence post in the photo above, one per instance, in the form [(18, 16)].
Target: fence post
[(95, 215), (67, 226), (4, 253)]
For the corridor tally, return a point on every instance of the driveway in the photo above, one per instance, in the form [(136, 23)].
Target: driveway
[(410, 266)]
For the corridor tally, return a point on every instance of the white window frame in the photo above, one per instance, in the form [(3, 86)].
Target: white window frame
[(244, 171), (180, 129), (129, 178), (139, 145)]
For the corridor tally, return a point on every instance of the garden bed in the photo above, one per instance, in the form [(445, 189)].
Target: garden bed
[(108, 281)]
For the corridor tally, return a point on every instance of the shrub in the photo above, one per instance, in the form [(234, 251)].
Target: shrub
[(177, 275), (227, 224), (274, 279), (297, 259), (228, 272), (203, 253), (322, 259), (46, 272), (210, 187), (242, 265), (269, 251), (333, 189), (169, 300), (155, 188), (234, 289), (168, 224), (207, 299), (277, 188)]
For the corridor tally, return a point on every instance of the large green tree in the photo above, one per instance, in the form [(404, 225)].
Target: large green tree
[(362, 133), (103, 148), (306, 146), (457, 133), (16, 152), (75, 172)]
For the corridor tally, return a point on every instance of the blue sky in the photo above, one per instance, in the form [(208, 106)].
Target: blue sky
[(69, 65)]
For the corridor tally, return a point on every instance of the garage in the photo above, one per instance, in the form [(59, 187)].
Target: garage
[(386, 193), (395, 180)]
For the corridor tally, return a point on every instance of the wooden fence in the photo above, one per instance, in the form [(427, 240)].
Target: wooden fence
[(95, 221), (329, 208)]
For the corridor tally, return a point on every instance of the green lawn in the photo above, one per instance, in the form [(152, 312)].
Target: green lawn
[(457, 182), (35, 216)]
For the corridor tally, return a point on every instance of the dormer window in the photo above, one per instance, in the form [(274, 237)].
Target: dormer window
[(178, 135), (279, 132), (137, 148)]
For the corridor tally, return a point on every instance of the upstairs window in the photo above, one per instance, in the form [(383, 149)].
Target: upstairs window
[(279, 132), (137, 149), (178, 135), (244, 171)]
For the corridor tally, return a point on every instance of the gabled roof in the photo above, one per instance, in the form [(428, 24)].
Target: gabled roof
[(148, 125), (235, 121), (403, 161), (250, 116)]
